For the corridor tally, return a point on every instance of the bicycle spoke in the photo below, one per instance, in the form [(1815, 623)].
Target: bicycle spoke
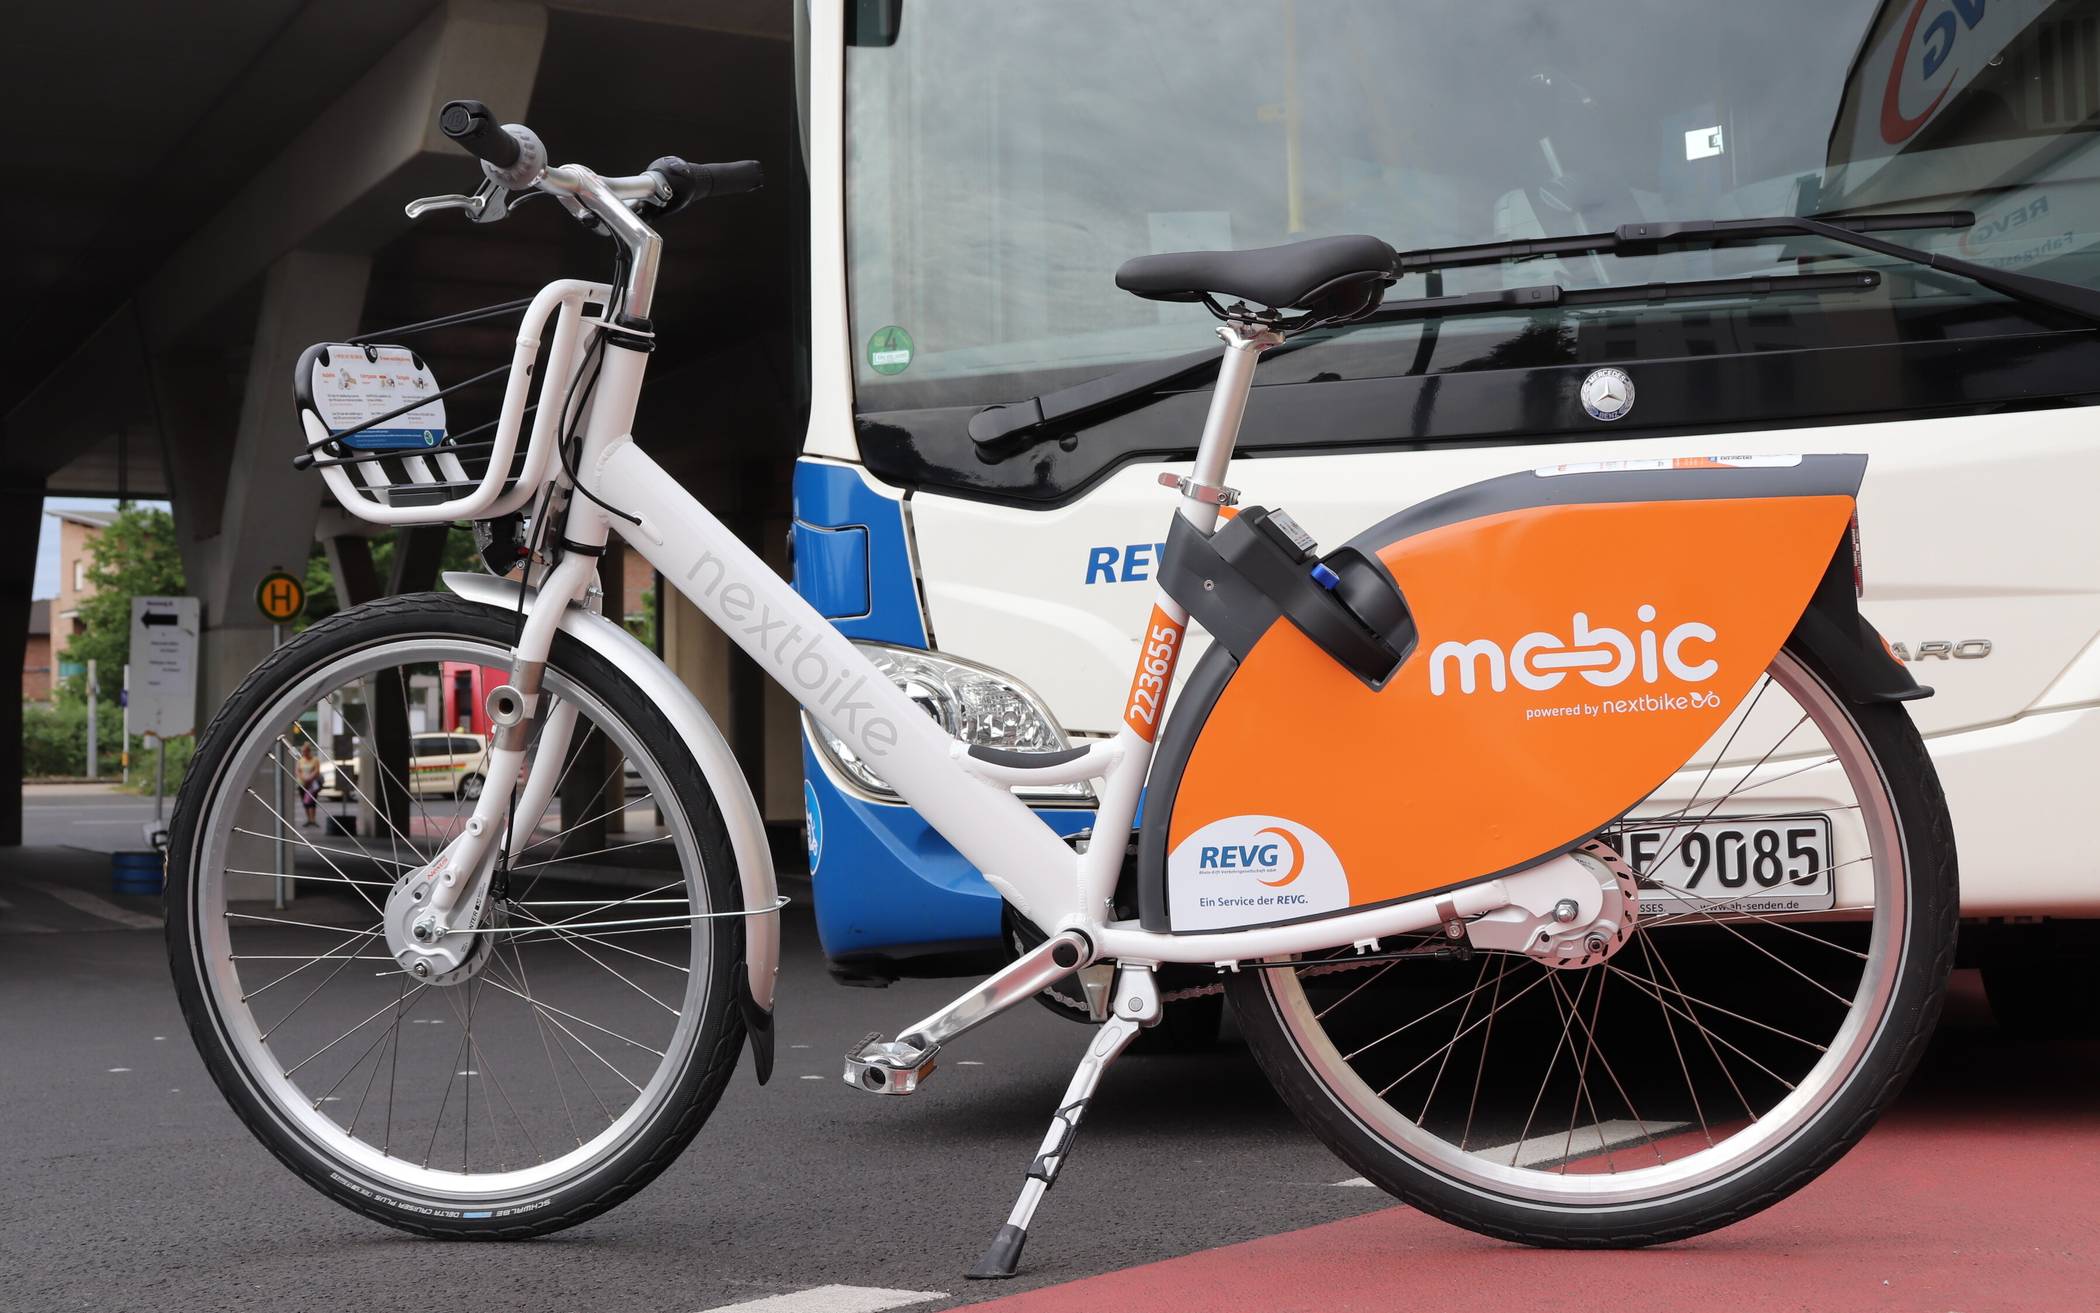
[(1478, 981), (1517, 1148), (1480, 1072), (1657, 995), (291, 1070), (571, 857), (324, 857), (554, 1016), (345, 775), (570, 939)]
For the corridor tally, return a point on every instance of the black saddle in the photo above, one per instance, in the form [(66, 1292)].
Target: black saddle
[(1325, 275)]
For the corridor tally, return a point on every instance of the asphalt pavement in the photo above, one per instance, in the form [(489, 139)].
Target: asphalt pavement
[(128, 1184), (99, 817)]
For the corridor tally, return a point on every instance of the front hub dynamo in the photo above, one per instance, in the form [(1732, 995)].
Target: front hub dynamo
[(428, 952), (1569, 945)]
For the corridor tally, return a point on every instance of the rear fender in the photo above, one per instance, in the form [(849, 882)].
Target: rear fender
[(718, 766), (1583, 630)]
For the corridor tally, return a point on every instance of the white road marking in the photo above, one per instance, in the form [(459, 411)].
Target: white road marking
[(1587, 1140), (1357, 1180), (813, 1078), (833, 1299), (114, 1070), (967, 1062), (82, 901)]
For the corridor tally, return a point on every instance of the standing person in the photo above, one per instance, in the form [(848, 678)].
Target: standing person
[(309, 781)]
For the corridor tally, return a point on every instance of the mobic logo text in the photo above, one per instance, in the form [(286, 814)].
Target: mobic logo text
[(1604, 656)]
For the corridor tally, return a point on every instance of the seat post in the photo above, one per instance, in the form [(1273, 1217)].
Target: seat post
[(1244, 344)]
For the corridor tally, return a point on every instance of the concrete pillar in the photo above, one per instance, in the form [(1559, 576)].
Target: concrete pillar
[(419, 549), (266, 518), (21, 514), (350, 564)]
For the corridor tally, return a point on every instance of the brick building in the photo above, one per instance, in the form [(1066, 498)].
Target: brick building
[(77, 532), (36, 653)]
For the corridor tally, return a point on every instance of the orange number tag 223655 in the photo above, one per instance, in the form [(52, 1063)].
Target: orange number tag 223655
[(1159, 649)]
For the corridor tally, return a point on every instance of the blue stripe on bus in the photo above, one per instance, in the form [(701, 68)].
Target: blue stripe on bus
[(852, 557)]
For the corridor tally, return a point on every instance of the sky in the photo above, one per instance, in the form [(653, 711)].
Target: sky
[(47, 536)]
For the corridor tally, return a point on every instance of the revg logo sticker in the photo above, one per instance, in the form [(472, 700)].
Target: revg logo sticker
[(1253, 870), (1261, 860)]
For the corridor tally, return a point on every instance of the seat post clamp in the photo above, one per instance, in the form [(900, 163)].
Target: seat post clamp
[(1204, 492)]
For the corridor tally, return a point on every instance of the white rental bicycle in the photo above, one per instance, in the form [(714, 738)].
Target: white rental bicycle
[(1562, 844)]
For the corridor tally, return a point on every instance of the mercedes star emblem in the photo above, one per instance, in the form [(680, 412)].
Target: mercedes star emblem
[(1607, 394)]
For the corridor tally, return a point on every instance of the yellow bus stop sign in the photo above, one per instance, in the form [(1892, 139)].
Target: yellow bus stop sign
[(281, 596)]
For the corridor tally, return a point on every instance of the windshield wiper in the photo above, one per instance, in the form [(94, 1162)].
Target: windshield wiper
[(1000, 430), (1853, 231), (1642, 238)]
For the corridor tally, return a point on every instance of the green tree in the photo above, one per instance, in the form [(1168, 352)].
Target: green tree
[(321, 598), (135, 556), (641, 622)]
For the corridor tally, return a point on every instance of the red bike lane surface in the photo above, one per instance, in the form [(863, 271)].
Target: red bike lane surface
[(1981, 1191)]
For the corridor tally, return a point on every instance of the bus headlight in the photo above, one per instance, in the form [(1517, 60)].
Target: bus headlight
[(978, 705)]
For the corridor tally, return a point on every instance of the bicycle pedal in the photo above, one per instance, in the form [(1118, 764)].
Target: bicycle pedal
[(882, 1066)]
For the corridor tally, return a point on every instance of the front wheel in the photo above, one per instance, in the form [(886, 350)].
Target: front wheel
[(1767, 1006), (554, 1071)]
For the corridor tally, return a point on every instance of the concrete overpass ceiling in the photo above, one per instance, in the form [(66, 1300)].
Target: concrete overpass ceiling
[(142, 115), (766, 18), (725, 388)]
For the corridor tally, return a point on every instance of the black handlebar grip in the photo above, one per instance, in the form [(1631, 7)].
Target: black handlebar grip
[(697, 182), (729, 179), (469, 123)]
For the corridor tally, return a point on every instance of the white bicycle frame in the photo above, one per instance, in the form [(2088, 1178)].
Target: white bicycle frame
[(1064, 891)]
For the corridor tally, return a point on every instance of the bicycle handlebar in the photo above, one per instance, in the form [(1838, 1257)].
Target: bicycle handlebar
[(697, 182), (470, 123)]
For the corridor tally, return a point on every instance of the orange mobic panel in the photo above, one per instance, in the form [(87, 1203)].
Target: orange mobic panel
[(1576, 635)]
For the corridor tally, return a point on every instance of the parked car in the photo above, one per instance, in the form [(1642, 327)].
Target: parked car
[(439, 766)]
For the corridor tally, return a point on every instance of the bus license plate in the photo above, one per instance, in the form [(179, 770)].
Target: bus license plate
[(1761, 863)]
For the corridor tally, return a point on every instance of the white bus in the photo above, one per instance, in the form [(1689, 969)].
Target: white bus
[(978, 171)]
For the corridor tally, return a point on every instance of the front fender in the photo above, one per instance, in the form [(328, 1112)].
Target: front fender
[(718, 766)]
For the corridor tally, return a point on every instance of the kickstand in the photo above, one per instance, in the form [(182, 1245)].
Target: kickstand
[(1135, 1005)]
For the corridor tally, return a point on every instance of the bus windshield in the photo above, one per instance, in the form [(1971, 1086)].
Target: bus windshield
[(1003, 160)]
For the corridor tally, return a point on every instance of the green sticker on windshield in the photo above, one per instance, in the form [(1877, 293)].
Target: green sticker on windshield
[(889, 351)]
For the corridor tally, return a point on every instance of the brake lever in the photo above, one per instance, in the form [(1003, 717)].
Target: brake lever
[(486, 205)]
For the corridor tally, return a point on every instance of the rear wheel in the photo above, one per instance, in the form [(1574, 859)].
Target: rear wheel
[(1738, 1041), (553, 1073)]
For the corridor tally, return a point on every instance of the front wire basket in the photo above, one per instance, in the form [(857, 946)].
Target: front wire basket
[(430, 475)]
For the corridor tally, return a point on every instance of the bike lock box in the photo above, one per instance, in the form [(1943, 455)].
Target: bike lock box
[(1260, 566)]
